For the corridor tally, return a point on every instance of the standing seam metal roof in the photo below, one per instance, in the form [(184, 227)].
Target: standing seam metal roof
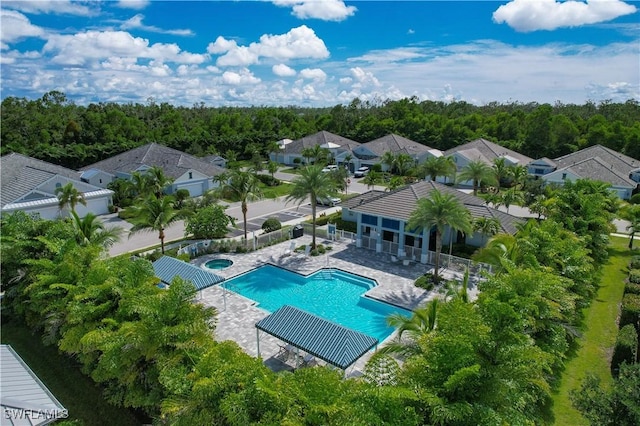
[(167, 268), (331, 342)]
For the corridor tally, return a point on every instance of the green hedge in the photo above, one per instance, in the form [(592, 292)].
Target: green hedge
[(634, 276), (271, 224), (626, 348), (632, 288), (630, 313), (635, 262)]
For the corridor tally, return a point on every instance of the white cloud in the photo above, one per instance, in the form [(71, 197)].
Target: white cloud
[(315, 74), (282, 70), (300, 42), (61, 7), (239, 78), (411, 31), (133, 4), (326, 10), (15, 26), (391, 55), (364, 78), (136, 23), (533, 15), (84, 48)]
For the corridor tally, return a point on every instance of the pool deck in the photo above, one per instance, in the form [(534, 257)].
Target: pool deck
[(238, 315)]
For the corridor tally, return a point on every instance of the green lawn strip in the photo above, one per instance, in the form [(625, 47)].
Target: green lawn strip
[(275, 191), (77, 392), (600, 331)]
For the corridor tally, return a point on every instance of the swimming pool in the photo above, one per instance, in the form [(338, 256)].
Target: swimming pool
[(332, 294), (218, 264)]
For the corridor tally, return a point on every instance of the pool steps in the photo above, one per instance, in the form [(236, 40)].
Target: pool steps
[(331, 273)]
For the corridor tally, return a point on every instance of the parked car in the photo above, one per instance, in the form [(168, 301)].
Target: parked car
[(330, 168), (331, 201), (362, 171)]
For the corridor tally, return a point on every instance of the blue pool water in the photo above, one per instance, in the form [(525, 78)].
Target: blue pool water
[(331, 294)]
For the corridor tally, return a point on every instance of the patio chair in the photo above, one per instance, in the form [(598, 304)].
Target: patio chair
[(289, 250), (285, 352), (394, 259), (309, 361)]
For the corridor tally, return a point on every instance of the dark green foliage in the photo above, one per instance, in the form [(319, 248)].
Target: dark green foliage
[(634, 276), (271, 224), (635, 199), (630, 311), (632, 288), (209, 222), (268, 180), (626, 348), (617, 406), (425, 281), (635, 262)]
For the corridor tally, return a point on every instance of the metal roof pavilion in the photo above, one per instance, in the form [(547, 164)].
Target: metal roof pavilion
[(331, 342), (167, 268)]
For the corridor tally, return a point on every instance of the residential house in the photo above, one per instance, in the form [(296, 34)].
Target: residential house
[(216, 160), (29, 185), (338, 146), (381, 219), (371, 153), (188, 172), (485, 151)]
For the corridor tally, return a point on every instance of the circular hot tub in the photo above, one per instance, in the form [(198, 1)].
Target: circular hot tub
[(218, 264)]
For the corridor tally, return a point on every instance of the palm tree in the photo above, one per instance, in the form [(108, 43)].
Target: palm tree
[(478, 172), (501, 171), (395, 183), (242, 186), (347, 160), (422, 321), (89, 230), (389, 159), (68, 195), (155, 214), (157, 181), (631, 213), (371, 179), (272, 168), (403, 163), (486, 226), (519, 175), (438, 166), (440, 211), (312, 183), (511, 196)]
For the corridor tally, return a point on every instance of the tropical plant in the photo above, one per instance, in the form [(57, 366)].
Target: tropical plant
[(90, 230), (501, 171), (389, 158), (479, 173), (209, 222), (395, 182), (371, 179), (631, 213), (242, 186), (519, 175), (440, 211), (69, 196), (312, 184), (272, 168), (403, 162), (486, 226), (152, 214), (511, 196), (438, 166), (422, 321), (157, 181)]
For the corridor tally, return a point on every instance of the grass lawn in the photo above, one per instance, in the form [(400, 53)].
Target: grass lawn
[(77, 392), (275, 191), (596, 345)]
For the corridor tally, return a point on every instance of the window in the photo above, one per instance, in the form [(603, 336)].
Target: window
[(539, 171), (100, 180), (190, 175), (58, 185), (564, 176)]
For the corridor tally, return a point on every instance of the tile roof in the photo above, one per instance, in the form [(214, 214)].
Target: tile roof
[(174, 163), (396, 144), (320, 138), (619, 161), (19, 175), (22, 390), (167, 268), (399, 204), (597, 169), (490, 151), (331, 342)]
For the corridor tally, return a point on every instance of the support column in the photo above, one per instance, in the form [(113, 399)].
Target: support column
[(401, 252), (258, 340), (379, 235), (424, 256), (359, 231)]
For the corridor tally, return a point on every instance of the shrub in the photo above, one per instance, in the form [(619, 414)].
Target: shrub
[(626, 348), (634, 276), (632, 288), (269, 180), (635, 199), (635, 262), (630, 312), (376, 168), (271, 224), (296, 162), (322, 220), (209, 222), (425, 281)]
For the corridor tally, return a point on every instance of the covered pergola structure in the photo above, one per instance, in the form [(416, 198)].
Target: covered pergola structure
[(336, 345), (167, 268)]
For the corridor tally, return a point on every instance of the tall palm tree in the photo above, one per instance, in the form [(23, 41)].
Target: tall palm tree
[(89, 230), (439, 211), (371, 179), (486, 226), (155, 214), (501, 171), (157, 181), (403, 163), (312, 183), (511, 196), (389, 159), (519, 174), (631, 213), (69, 196), (242, 186), (438, 166), (478, 172)]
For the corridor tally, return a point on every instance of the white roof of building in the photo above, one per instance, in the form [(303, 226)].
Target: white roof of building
[(25, 400)]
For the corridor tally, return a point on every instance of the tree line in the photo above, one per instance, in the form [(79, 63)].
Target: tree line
[(494, 360), (55, 129)]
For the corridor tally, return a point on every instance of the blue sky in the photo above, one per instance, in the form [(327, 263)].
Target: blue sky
[(321, 52)]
